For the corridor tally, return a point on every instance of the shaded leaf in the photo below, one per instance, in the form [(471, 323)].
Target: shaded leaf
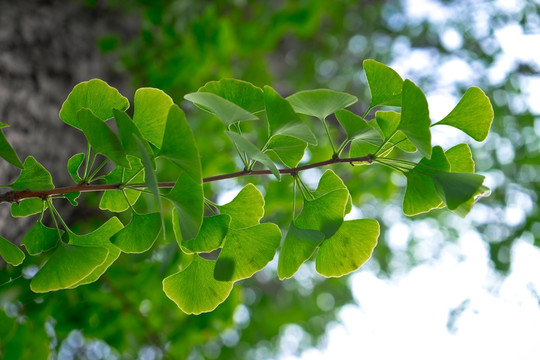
[(73, 165), (298, 130), (348, 249), (388, 122), (456, 188), (211, 235), (253, 152), (246, 251), (246, 209), (287, 149), (139, 235), (415, 121), (114, 200), (473, 114), (384, 83), (298, 246), (10, 252), (241, 93), (358, 128), (321, 102), (325, 213), (126, 131), (150, 115), (40, 238), (194, 290), (225, 110), (34, 177), (6, 150), (94, 95)]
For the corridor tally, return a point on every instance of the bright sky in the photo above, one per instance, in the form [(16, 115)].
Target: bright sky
[(409, 315)]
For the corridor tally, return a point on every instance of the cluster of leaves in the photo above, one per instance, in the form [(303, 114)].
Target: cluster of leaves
[(159, 132)]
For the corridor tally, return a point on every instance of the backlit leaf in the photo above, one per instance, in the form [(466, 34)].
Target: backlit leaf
[(194, 290), (211, 235), (246, 209), (388, 122), (473, 114), (348, 249), (225, 110), (10, 252), (384, 83), (94, 95), (456, 188), (40, 238), (241, 93), (321, 102), (150, 114), (329, 182), (325, 213), (127, 130), (415, 122), (358, 128), (139, 235), (287, 149), (114, 200)]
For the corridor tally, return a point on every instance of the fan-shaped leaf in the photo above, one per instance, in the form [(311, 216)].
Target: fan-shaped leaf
[(287, 149), (358, 128), (139, 235), (6, 151), (127, 130), (211, 235), (321, 102), (40, 238), (415, 121), (325, 213), (456, 188), (150, 115), (33, 176), (227, 111), (246, 209), (384, 83), (26, 207), (241, 93), (10, 252), (114, 200)]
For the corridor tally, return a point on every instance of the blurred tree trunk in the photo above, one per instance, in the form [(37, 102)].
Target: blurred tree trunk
[(47, 47)]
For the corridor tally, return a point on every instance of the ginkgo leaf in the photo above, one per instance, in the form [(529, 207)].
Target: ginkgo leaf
[(320, 102), (241, 93), (287, 149), (150, 114), (456, 188), (384, 83), (358, 128), (139, 235), (246, 251), (211, 235), (96, 96), (33, 176), (27, 207), (73, 165), (473, 114), (387, 122), (348, 249), (102, 138), (225, 110), (329, 182), (41, 238), (127, 131), (415, 122), (325, 213), (115, 200), (246, 209), (6, 150), (11, 252), (194, 290), (253, 152), (299, 245)]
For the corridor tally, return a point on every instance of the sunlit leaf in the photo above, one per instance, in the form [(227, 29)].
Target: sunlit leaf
[(246, 209), (348, 249), (358, 128), (6, 150), (194, 290), (94, 95), (298, 246), (246, 251), (10, 252), (473, 114), (321, 102), (421, 194), (253, 152), (211, 235), (114, 200), (102, 138), (26, 207), (329, 182), (33, 176), (139, 235), (460, 158), (127, 130), (287, 149), (388, 122), (40, 238), (415, 122), (150, 114), (241, 93), (325, 213), (67, 266), (384, 83), (227, 111), (73, 165)]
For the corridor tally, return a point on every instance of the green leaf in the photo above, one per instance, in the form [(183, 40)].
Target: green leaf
[(73, 165), (227, 111), (421, 195), (460, 159), (253, 153), (72, 197), (139, 235), (325, 213), (40, 238), (473, 114), (179, 144), (6, 151), (10, 252), (298, 246), (211, 235), (360, 148), (384, 83), (282, 119), (33, 176), (246, 209), (151, 180), (127, 130), (358, 128), (114, 200), (456, 188), (99, 237), (348, 249), (388, 122), (246, 251), (321, 102), (329, 182), (241, 93), (95, 95), (67, 266), (150, 115), (102, 139), (287, 149), (415, 121), (27, 207), (188, 199), (194, 290)]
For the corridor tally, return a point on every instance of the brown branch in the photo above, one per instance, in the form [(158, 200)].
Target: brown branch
[(18, 195)]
